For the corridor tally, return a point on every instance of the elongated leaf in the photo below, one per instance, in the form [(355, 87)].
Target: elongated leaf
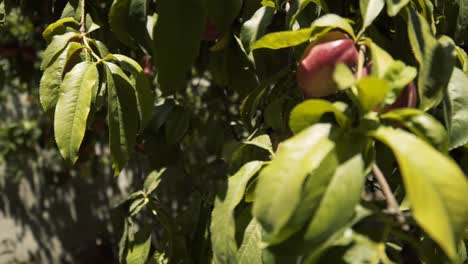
[(177, 40), (420, 123), (381, 59), (145, 96), (177, 125), (137, 15), (256, 27), (430, 178), (118, 21), (222, 221), (278, 40), (394, 6), (456, 106), (57, 45), (139, 247), (58, 26), (295, 159), (342, 194), (370, 9), (297, 6), (250, 251), (122, 115), (224, 12), (73, 107), (263, 142), (436, 60), (311, 111), (51, 80)]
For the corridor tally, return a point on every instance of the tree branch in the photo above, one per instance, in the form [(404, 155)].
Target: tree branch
[(83, 17), (392, 204)]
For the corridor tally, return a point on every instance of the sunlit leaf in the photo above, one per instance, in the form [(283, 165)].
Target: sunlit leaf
[(420, 123), (310, 112), (51, 80), (72, 109), (430, 178), (456, 105), (295, 159), (57, 45)]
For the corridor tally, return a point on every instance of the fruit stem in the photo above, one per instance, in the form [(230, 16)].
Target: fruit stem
[(392, 204)]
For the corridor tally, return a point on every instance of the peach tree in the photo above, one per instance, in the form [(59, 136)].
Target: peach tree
[(274, 131)]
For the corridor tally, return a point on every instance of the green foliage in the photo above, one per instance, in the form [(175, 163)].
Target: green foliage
[(241, 168)]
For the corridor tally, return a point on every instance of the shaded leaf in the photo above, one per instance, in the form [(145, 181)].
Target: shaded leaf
[(222, 220), (122, 115), (177, 40)]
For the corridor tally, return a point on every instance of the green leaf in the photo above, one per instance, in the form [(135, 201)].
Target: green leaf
[(177, 40), (343, 76), (263, 142), (139, 247), (145, 96), (137, 18), (222, 221), (256, 27), (436, 60), (399, 76), (420, 123), (295, 159), (224, 12), (250, 251), (381, 60), (59, 27), (301, 5), (371, 92), (310, 113), (342, 193), (284, 39), (177, 125), (370, 9), (118, 21), (51, 80), (57, 45), (456, 105), (394, 6), (278, 40), (72, 109), (152, 181), (122, 115), (430, 178)]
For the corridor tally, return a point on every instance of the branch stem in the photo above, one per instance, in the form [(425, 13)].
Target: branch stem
[(392, 204), (83, 17)]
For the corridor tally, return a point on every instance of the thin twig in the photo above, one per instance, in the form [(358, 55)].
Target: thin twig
[(83, 17), (361, 61), (392, 204)]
